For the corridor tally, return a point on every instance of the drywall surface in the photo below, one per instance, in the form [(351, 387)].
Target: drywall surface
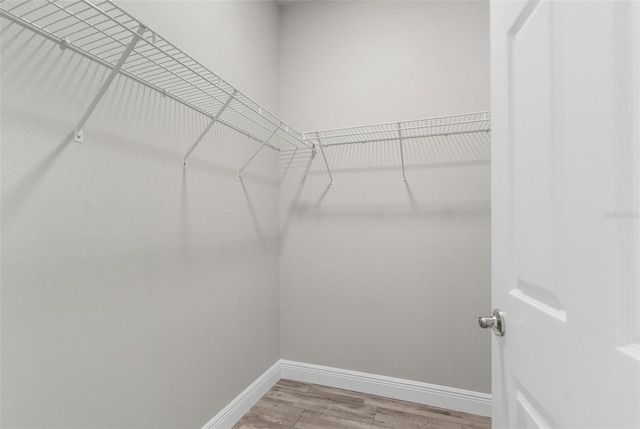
[(135, 293), (233, 38), (376, 275), (365, 62)]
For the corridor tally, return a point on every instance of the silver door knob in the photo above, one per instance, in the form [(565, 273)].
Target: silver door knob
[(495, 322)]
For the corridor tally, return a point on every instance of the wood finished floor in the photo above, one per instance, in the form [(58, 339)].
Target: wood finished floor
[(293, 405)]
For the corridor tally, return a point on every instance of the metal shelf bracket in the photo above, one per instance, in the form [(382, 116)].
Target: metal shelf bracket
[(257, 152), (404, 178), (206, 130), (77, 133), (326, 163)]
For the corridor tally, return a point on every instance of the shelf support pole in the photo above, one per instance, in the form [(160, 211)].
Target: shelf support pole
[(77, 133), (206, 130), (404, 178), (326, 163), (257, 152)]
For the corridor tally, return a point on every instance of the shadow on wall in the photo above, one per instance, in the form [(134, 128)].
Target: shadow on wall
[(370, 266), (150, 132), (447, 178), (116, 257)]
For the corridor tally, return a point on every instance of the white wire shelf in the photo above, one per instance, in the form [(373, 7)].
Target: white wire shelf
[(474, 128), (107, 34), (405, 130)]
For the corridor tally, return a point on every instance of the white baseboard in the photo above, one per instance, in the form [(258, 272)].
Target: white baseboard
[(242, 403), (396, 388)]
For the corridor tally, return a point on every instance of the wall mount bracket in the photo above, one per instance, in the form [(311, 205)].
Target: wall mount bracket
[(257, 152), (208, 127), (77, 132), (326, 163)]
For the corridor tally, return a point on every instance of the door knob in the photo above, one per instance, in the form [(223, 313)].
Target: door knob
[(495, 322)]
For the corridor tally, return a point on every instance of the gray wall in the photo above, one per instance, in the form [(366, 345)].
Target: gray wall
[(135, 293), (139, 294), (375, 275), (364, 62)]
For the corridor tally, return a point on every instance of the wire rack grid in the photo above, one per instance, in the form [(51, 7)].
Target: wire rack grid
[(404, 130), (476, 125), (104, 32)]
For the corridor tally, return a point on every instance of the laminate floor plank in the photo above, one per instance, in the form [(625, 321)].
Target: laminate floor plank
[(314, 420), (294, 405), (293, 385), (339, 394), (275, 413), (254, 423), (474, 420), (399, 419), (330, 406)]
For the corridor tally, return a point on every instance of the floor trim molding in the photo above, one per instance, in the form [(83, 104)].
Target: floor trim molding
[(242, 403), (396, 388)]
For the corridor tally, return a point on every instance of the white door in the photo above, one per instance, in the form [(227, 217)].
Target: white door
[(566, 125)]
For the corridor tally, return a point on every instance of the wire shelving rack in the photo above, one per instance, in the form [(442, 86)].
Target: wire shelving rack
[(406, 130), (106, 33), (478, 123)]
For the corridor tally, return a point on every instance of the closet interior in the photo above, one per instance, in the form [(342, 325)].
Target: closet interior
[(108, 35), (313, 165)]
